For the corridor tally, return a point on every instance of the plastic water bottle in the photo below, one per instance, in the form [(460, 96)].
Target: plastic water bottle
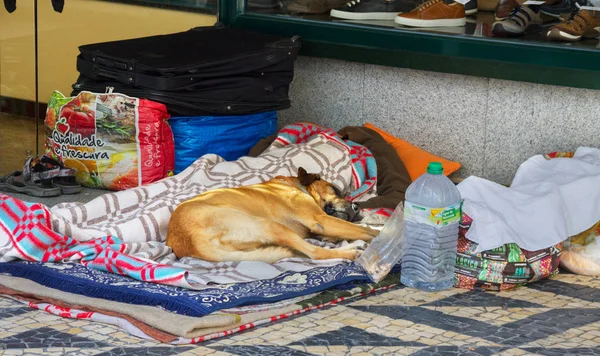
[(432, 214)]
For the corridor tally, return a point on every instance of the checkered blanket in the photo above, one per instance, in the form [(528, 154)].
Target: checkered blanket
[(123, 232)]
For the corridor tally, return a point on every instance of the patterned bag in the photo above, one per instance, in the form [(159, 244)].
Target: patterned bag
[(112, 140), (503, 268)]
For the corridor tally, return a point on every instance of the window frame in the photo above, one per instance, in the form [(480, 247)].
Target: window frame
[(524, 61)]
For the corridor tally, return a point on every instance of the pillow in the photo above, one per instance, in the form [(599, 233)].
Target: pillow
[(415, 159)]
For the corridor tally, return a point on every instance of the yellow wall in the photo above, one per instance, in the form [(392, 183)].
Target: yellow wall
[(81, 22)]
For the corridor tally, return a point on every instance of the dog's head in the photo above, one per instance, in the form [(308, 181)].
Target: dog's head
[(328, 197)]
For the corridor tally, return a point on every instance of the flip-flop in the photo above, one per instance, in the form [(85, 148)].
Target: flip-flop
[(17, 182)]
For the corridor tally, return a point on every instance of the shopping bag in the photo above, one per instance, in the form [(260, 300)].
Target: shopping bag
[(114, 141)]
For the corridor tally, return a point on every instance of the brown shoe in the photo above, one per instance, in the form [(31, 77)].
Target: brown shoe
[(434, 13), (505, 7), (580, 24), (314, 6)]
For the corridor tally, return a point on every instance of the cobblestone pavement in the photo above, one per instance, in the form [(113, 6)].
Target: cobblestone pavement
[(555, 317)]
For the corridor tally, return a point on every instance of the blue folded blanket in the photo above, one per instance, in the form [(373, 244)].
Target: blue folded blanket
[(78, 279)]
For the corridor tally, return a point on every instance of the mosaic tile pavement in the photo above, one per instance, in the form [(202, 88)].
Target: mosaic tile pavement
[(554, 317)]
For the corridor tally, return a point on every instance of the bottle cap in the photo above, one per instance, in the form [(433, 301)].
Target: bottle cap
[(435, 168)]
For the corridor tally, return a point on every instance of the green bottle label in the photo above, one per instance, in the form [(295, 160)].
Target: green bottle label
[(433, 216)]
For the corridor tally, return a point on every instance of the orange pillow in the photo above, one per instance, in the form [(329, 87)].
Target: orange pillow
[(414, 158)]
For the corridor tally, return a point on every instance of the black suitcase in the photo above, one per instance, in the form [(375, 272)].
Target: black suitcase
[(178, 83), (187, 59), (243, 96)]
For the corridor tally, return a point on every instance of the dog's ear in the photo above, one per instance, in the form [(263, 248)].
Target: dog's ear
[(305, 178)]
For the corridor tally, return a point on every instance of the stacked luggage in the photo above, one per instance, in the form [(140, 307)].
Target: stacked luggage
[(222, 86), (204, 71)]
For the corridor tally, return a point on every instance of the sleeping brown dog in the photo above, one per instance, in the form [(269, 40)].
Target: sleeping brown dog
[(266, 222)]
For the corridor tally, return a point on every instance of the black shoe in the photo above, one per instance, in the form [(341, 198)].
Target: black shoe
[(374, 9), (471, 7), (563, 7)]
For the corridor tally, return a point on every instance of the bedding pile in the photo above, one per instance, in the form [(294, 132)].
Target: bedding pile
[(168, 327), (106, 261), (111, 250), (548, 201)]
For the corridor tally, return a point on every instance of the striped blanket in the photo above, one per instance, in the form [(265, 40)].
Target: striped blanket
[(123, 232)]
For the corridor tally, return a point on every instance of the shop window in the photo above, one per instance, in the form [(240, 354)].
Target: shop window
[(467, 39)]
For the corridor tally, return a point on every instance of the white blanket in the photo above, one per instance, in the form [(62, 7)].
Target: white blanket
[(548, 201)]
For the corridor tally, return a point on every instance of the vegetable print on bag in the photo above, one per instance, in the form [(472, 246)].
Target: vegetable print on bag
[(112, 140)]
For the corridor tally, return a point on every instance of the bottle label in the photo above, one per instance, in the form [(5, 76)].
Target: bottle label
[(432, 216)]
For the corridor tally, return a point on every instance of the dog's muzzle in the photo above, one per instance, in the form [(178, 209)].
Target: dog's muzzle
[(350, 213)]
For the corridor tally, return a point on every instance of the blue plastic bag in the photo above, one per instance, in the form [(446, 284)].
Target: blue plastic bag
[(230, 137)]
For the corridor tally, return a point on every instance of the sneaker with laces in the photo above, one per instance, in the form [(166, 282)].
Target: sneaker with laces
[(471, 7), (582, 23), (434, 13), (517, 22), (373, 9)]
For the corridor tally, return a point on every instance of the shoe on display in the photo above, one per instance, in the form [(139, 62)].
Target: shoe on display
[(471, 7), (314, 6), (505, 7), (434, 13), (517, 22), (373, 9), (555, 9), (581, 24)]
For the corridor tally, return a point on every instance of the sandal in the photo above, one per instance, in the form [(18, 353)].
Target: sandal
[(41, 177), (33, 180), (65, 180)]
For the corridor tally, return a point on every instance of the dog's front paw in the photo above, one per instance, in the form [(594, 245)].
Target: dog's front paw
[(353, 250), (355, 245), (353, 254)]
